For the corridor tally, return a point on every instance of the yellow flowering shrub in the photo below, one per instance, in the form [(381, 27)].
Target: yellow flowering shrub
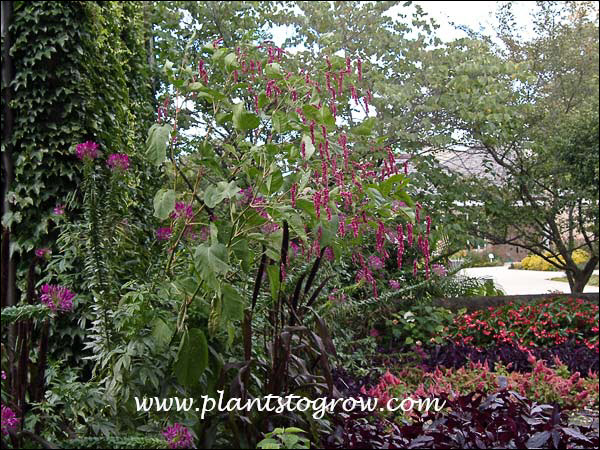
[(535, 262)]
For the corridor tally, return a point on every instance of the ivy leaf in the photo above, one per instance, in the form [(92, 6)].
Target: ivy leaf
[(164, 203), (244, 120), (192, 357), (158, 136), (215, 194)]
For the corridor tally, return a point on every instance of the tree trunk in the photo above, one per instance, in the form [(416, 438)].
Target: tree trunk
[(578, 278), (8, 270)]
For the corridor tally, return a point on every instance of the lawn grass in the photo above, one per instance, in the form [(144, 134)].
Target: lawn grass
[(592, 282)]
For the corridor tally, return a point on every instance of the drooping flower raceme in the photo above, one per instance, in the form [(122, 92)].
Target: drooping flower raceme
[(87, 150), (9, 419), (118, 161), (57, 298), (178, 436)]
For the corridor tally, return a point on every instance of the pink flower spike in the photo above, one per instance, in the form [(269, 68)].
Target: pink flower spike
[(59, 210)]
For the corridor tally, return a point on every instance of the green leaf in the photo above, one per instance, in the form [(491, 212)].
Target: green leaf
[(156, 144), (280, 122), (244, 120), (211, 261), (273, 70), (203, 91), (309, 148), (164, 203), (215, 194), (161, 333), (192, 357), (231, 62), (273, 273), (274, 181), (311, 112), (365, 128), (233, 303), (326, 117)]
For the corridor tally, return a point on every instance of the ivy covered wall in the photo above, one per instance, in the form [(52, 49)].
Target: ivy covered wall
[(79, 71)]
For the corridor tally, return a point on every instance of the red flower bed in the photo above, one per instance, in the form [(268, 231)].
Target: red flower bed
[(546, 323)]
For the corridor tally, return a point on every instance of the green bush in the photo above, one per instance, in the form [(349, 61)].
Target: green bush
[(481, 259)]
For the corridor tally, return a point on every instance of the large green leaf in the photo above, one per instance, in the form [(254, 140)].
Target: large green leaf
[(273, 273), (233, 303), (211, 260), (164, 203), (215, 194), (192, 357), (161, 333), (231, 62), (326, 117), (156, 144), (244, 120)]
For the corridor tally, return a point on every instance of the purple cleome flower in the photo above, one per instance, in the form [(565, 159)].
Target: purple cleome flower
[(57, 298), (178, 436), (9, 419), (87, 150), (394, 284), (164, 234), (118, 161), (439, 270), (42, 252), (59, 209)]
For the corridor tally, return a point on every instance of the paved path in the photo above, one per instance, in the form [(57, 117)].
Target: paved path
[(521, 282)]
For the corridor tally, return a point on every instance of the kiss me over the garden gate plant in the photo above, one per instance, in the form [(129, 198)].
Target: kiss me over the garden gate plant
[(272, 177)]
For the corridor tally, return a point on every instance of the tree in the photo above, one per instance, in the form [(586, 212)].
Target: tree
[(525, 110)]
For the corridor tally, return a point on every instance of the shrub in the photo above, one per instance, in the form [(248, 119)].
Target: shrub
[(535, 262), (481, 259)]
